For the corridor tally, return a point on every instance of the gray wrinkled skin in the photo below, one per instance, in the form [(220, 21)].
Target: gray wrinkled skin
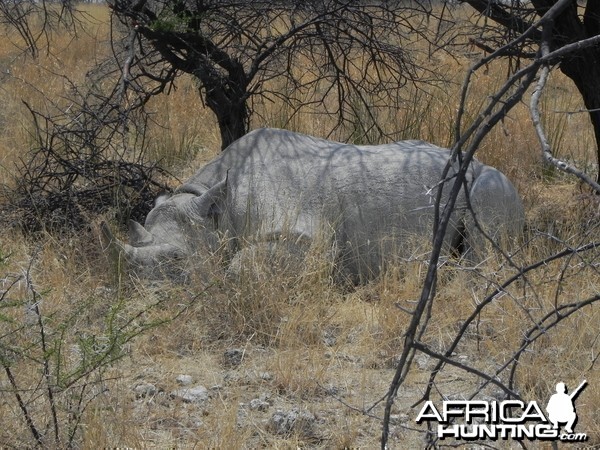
[(368, 202)]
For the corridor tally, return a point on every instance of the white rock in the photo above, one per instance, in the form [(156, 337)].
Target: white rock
[(259, 404), (184, 380), (284, 422), (144, 389), (196, 394)]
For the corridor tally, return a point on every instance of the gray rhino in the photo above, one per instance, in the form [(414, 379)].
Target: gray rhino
[(370, 202)]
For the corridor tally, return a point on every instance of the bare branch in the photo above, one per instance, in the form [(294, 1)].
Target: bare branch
[(36, 21), (505, 15), (463, 150), (545, 145), (573, 33), (545, 54), (346, 54)]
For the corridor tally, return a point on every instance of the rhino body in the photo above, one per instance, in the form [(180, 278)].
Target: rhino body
[(368, 201)]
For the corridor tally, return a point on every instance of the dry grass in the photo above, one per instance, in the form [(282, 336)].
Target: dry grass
[(306, 343)]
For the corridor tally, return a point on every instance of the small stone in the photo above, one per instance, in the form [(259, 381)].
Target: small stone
[(329, 338), (397, 419), (331, 389), (197, 423), (265, 376), (233, 356), (196, 394), (144, 390), (184, 380), (423, 361), (258, 404), (329, 341), (286, 422), (241, 418)]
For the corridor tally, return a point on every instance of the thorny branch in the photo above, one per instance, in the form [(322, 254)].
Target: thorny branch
[(87, 159), (477, 132), (494, 295), (53, 404), (466, 144), (546, 56), (36, 21)]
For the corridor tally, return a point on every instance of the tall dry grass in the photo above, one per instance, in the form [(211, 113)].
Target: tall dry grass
[(323, 349)]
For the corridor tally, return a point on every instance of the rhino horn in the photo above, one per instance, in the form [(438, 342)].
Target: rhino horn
[(138, 235), (115, 243), (139, 256), (108, 237)]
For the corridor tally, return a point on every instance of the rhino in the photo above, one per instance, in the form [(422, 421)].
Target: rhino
[(370, 202)]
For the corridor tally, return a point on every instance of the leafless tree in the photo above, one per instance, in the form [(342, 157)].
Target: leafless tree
[(350, 53), (577, 22), (347, 58)]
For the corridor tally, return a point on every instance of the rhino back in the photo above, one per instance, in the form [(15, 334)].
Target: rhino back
[(284, 180)]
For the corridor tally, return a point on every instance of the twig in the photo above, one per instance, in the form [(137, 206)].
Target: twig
[(537, 122), (35, 307), (443, 358), (34, 431)]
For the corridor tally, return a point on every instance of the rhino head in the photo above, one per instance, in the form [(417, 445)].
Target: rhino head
[(177, 227)]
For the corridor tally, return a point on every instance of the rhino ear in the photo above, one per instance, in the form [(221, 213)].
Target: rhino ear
[(138, 235), (211, 203)]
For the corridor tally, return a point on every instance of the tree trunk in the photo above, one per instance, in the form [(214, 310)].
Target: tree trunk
[(582, 67), (570, 26), (584, 71), (227, 97), (232, 118)]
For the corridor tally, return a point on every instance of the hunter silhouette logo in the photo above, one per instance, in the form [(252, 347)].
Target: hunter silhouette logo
[(561, 408), (508, 419)]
